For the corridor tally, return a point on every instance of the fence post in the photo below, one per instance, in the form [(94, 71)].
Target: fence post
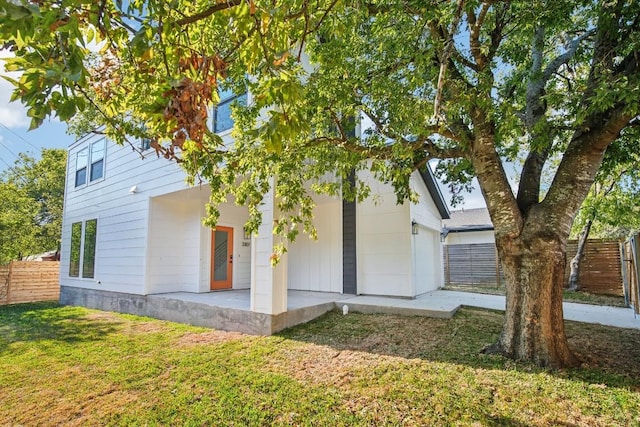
[(9, 280), (447, 266), (635, 248)]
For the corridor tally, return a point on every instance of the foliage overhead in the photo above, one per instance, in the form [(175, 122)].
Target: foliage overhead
[(613, 202), (423, 72), (32, 192)]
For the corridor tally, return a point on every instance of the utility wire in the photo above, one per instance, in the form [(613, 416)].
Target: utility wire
[(19, 136), (5, 162), (6, 146)]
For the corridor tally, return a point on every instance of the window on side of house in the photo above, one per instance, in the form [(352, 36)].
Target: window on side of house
[(82, 254), (74, 253), (222, 119), (89, 250), (97, 160), (82, 161)]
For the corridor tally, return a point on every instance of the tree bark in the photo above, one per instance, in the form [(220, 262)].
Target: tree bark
[(575, 261), (534, 325)]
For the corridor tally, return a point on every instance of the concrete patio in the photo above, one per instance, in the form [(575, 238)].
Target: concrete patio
[(305, 306), (230, 310)]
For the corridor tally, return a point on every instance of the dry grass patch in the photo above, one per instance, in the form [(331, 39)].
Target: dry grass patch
[(73, 366)]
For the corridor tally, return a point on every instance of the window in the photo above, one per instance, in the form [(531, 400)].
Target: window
[(222, 119), (92, 159), (89, 254), (83, 240), (74, 256), (97, 160), (145, 144), (81, 167)]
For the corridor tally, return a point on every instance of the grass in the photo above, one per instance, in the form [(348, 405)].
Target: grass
[(578, 296), (73, 366)]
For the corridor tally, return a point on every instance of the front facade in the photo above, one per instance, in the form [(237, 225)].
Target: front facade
[(133, 228)]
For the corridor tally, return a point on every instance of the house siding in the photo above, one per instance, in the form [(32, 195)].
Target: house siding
[(121, 240), (383, 243), (316, 265), (426, 246)]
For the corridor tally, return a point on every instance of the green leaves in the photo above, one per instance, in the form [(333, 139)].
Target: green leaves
[(31, 196)]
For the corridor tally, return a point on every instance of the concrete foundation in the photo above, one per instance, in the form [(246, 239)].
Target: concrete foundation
[(190, 312)]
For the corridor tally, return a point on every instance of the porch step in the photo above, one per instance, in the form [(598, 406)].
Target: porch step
[(429, 306)]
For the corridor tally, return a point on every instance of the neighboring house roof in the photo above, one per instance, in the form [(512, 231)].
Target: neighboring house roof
[(434, 191), (468, 220)]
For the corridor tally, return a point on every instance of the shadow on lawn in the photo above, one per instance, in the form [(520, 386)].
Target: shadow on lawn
[(611, 356), (50, 321)]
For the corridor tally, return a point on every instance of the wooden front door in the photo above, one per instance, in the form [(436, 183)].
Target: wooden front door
[(221, 258)]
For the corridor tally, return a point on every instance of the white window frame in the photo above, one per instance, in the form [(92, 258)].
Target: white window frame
[(82, 249), (82, 155), (91, 162)]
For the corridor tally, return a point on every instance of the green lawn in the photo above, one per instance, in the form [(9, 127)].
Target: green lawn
[(72, 366)]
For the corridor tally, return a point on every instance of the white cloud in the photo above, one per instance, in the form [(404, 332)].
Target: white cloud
[(12, 114)]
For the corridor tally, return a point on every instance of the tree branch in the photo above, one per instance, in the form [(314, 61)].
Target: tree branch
[(224, 5), (444, 60)]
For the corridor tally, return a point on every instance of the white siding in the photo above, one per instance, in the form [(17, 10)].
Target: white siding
[(427, 249), (174, 247), (316, 265), (383, 243), (425, 211), (470, 237), (121, 241)]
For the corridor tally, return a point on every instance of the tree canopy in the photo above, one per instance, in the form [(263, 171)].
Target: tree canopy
[(32, 193), (471, 83)]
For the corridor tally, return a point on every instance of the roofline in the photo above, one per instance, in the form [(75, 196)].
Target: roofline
[(470, 228), (434, 191)]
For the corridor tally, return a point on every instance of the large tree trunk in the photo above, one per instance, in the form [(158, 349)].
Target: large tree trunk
[(534, 326), (575, 261)]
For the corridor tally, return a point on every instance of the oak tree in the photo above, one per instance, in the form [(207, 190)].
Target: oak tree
[(471, 83)]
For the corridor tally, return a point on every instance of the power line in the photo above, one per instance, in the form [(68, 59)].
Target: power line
[(8, 149), (18, 135), (5, 162)]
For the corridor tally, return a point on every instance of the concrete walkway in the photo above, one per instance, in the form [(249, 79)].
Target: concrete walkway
[(444, 304)]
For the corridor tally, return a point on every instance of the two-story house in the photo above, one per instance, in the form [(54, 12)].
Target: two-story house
[(133, 241)]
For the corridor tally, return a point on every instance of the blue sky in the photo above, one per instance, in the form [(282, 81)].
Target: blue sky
[(14, 137)]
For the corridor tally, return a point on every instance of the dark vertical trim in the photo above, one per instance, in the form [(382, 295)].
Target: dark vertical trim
[(349, 261)]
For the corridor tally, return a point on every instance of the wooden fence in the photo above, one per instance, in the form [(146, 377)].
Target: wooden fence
[(29, 281), (478, 264), (629, 252)]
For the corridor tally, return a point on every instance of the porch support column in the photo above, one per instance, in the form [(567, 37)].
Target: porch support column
[(268, 284)]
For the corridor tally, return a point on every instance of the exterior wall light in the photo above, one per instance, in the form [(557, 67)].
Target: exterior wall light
[(414, 227)]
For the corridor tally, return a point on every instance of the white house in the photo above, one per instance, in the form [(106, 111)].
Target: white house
[(468, 226), (132, 230)]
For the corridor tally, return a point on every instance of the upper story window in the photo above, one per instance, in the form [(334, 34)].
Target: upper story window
[(97, 160), (81, 166), (222, 119), (90, 159)]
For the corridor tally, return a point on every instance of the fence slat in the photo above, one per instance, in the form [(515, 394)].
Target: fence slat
[(29, 281), (478, 264)]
